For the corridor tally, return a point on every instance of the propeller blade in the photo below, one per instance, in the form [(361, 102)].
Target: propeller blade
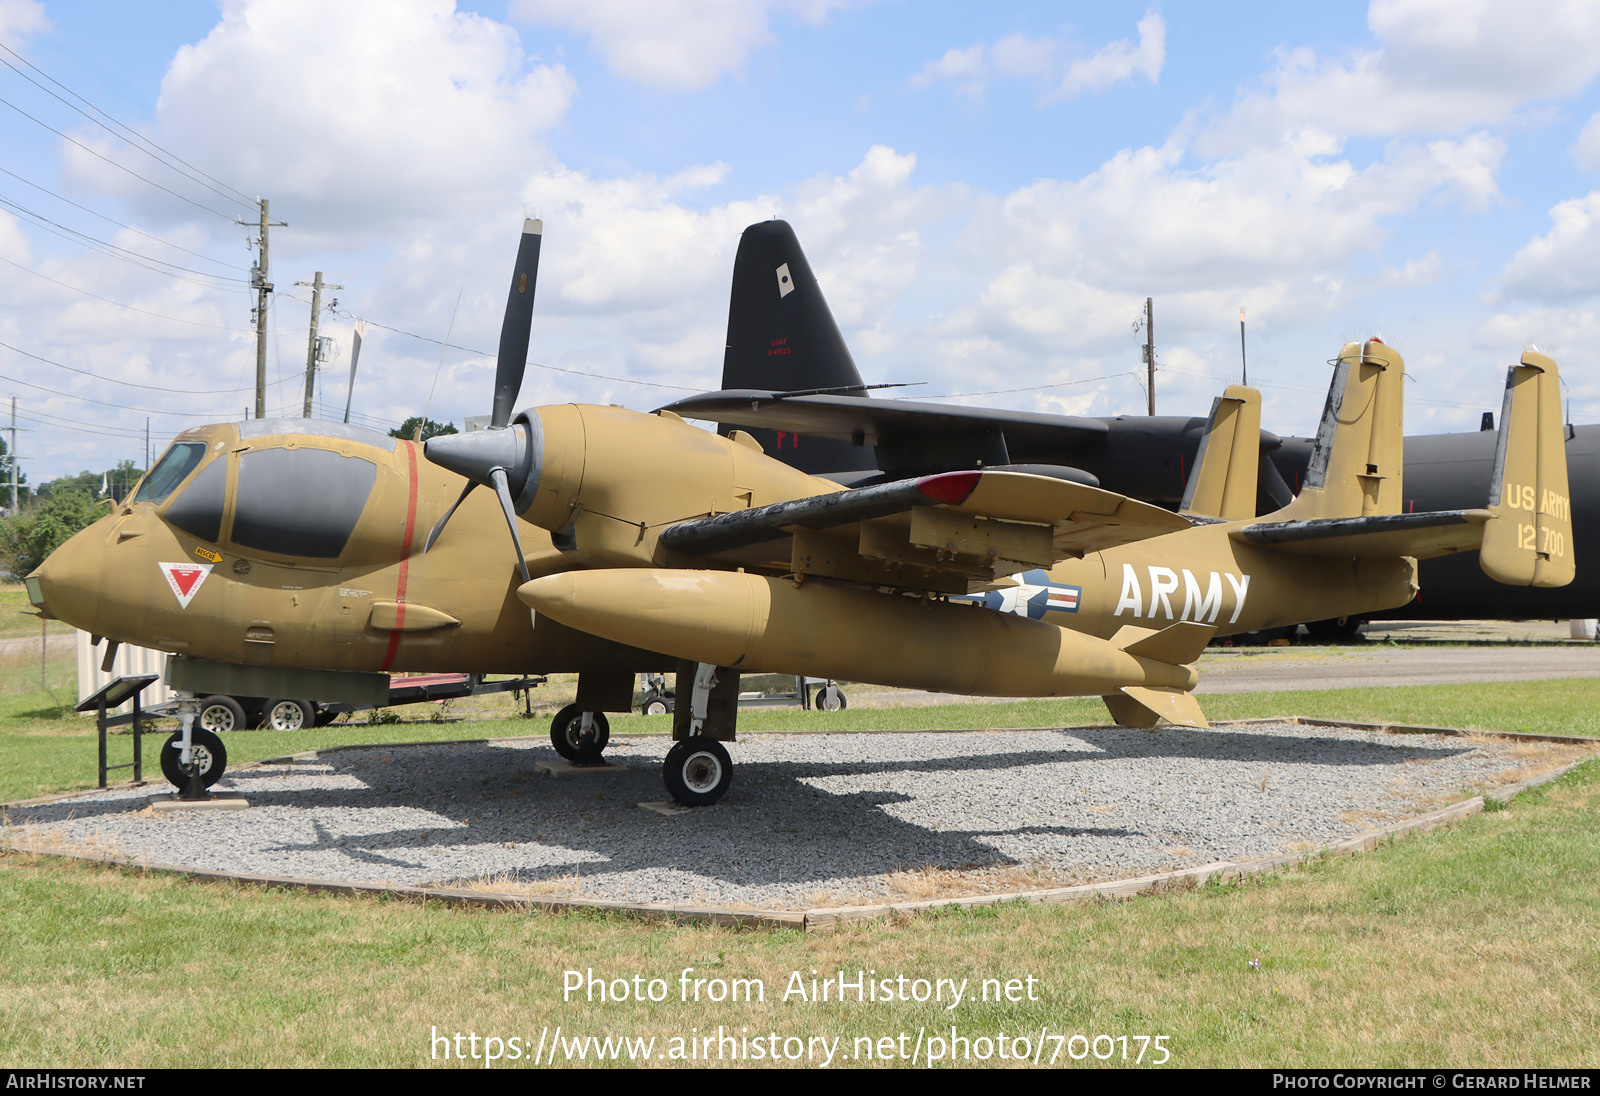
[(503, 489), (355, 356), (450, 513), (512, 361)]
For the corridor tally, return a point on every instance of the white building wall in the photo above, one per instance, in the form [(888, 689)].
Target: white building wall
[(130, 662)]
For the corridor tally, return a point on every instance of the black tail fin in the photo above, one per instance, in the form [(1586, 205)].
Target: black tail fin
[(782, 338)]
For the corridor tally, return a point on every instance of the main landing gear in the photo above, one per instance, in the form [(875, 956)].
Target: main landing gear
[(698, 771)]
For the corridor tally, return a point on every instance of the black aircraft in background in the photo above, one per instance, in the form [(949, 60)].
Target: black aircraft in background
[(789, 380)]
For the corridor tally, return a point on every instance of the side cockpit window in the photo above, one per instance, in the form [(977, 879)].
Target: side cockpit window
[(170, 471), (198, 510), (300, 502)]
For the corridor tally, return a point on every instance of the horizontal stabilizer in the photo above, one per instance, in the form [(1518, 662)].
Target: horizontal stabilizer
[(1423, 536), (1139, 706), (1179, 644)]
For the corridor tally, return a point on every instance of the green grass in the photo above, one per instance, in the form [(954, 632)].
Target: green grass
[(1471, 946), (16, 619)]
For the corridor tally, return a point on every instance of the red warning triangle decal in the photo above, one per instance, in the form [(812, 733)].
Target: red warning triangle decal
[(185, 580)]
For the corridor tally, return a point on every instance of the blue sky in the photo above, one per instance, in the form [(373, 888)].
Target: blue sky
[(987, 192)]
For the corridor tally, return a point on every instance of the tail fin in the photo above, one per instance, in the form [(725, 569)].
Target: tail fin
[(781, 335), (1177, 645), (1529, 540), (782, 338), (1139, 706), (1223, 483), (1355, 468)]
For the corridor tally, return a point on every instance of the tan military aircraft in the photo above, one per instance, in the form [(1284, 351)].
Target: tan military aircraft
[(280, 558)]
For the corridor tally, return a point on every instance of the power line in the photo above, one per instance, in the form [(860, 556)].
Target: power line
[(209, 415), (113, 163), (133, 137), (1032, 388), (485, 353), (113, 250), (119, 304), (55, 423), (110, 220), (132, 384)]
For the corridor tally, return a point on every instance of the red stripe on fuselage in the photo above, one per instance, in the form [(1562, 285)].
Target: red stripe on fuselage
[(405, 555)]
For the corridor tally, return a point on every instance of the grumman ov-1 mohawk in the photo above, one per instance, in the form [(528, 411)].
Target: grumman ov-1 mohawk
[(287, 558)]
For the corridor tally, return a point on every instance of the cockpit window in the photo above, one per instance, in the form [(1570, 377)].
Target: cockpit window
[(300, 502), (170, 471), (198, 509)]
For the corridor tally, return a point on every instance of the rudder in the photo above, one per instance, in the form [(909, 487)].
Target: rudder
[(1356, 463), (1529, 540), (1223, 483)]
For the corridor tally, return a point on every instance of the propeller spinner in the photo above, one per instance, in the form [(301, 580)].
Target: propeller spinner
[(507, 456)]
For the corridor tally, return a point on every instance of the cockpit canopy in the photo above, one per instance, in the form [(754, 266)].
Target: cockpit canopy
[(298, 490)]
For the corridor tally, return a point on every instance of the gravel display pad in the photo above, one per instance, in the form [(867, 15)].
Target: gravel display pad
[(826, 819)]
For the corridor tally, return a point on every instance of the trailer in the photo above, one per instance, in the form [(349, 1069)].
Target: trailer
[(821, 693)]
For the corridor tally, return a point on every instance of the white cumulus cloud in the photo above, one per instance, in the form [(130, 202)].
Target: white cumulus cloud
[(969, 70), (671, 44)]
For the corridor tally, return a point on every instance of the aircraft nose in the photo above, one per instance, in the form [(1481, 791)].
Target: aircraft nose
[(66, 586)]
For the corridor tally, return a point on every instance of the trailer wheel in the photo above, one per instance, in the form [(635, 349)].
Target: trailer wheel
[(566, 735), (207, 751), (288, 715), (830, 698), (221, 714), (698, 771)]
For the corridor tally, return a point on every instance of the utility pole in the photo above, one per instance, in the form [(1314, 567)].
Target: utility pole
[(1150, 348), (311, 345), (147, 443), (263, 288), (13, 456)]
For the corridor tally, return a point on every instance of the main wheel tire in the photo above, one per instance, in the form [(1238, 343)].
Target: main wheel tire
[(830, 698), (288, 715), (698, 771), (566, 735), (208, 752), (655, 704), (221, 714)]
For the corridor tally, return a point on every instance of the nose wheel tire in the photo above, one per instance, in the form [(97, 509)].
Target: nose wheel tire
[(207, 751), (698, 771), (566, 735), (831, 699), (221, 714), (287, 715)]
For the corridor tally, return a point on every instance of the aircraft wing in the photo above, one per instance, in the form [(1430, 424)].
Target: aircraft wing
[(872, 422), (1438, 533), (941, 532)]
